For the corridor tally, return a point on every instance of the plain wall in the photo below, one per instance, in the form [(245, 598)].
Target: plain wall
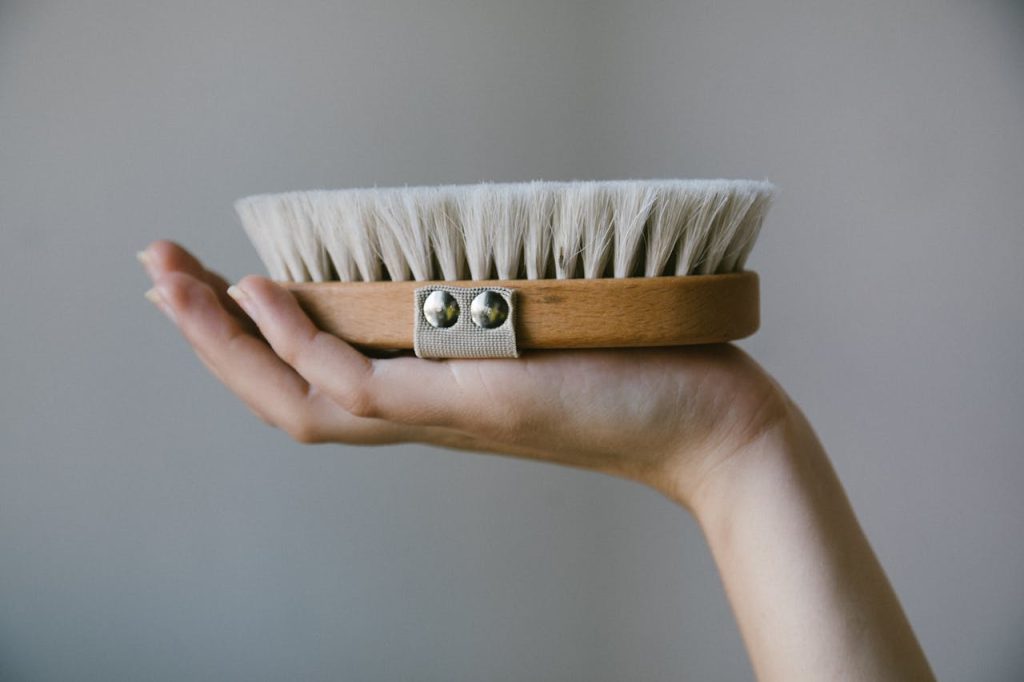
[(151, 528)]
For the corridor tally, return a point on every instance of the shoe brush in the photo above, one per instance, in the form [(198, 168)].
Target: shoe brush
[(488, 270)]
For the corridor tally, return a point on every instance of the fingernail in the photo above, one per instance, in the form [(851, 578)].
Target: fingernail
[(146, 258), (154, 297), (241, 297)]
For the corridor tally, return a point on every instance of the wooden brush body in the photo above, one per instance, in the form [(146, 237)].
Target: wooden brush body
[(555, 313)]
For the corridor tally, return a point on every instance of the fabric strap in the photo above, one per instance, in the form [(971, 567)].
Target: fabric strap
[(464, 339)]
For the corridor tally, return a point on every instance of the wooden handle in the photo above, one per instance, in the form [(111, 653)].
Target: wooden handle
[(556, 313)]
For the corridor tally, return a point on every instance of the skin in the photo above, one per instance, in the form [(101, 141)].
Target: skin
[(705, 426)]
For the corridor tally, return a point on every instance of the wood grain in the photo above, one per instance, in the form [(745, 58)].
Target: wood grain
[(551, 313)]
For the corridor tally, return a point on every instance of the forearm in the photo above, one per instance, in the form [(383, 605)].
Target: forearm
[(810, 597)]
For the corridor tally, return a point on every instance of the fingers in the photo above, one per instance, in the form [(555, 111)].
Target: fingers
[(163, 256), (247, 365), (403, 390), (406, 390)]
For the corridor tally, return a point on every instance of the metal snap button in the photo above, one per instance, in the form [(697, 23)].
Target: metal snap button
[(489, 310), (441, 309)]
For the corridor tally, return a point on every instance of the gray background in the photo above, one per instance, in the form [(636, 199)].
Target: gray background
[(151, 528)]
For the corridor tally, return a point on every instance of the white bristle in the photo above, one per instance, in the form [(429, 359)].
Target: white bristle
[(507, 230), (540, 211), (533, 230), (744, 241), (389, 239), (254, 220), (700, 219), (440, 217), (668, 217), (631, 208), (567, 230), (332, 230), (596, 244), (364, 238), (477, 208), (730, 213)]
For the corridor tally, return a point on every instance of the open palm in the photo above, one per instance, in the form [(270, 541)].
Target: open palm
[(662, 416)]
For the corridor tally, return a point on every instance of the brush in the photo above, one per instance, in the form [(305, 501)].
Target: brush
[(489, 269)]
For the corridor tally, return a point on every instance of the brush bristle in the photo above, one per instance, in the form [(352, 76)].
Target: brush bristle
[(534, 230)]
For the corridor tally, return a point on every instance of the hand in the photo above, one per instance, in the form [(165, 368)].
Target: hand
[(704, 425), (665, 417)]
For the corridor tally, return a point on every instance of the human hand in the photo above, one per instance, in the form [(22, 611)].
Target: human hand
[(812, 603), (666, 417)]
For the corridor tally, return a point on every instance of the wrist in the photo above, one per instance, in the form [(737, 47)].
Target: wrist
[(712, 485)]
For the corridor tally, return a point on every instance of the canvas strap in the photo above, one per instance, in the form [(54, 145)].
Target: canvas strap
[(464, 339)]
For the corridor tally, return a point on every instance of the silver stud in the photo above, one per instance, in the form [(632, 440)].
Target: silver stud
[(441, 309), (489, 310)]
